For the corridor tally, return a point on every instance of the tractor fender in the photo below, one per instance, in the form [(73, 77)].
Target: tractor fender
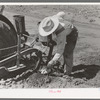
[(8, 37)]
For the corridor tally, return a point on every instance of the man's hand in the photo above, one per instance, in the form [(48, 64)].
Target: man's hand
[(51, 63)]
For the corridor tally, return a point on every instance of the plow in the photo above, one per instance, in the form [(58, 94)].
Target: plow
[(17, 56)]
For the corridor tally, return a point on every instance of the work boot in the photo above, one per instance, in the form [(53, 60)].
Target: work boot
[(69, 79)]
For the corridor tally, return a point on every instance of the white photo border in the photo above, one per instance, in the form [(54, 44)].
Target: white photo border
[(68, 93)]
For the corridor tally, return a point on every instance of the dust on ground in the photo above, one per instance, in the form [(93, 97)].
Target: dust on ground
[(86, 69)]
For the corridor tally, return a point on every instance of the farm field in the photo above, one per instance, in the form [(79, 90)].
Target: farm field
[(86, 69)]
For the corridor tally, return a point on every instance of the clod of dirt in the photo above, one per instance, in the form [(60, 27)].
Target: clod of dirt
[(92, 20), (78, 81), (47, 79), (38, 80)]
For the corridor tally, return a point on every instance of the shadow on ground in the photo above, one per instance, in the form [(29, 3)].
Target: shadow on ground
[(85, 71)]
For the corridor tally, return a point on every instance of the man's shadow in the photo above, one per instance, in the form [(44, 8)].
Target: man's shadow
[(85, 71)]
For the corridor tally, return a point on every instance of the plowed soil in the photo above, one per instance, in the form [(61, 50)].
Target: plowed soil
[(86, 69)]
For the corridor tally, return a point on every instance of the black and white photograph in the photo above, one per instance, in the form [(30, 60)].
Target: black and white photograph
[(49, 46)]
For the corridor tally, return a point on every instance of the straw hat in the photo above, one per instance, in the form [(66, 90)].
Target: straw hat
[(60, 15), (48, 25)]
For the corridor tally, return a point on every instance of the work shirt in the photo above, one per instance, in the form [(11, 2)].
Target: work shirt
[(61, 36)]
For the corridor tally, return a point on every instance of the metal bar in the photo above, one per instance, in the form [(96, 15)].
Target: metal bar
[(13, 57), (18, 50), (20, 27)]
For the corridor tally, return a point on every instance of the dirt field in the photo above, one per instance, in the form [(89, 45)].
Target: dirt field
[(86, 69)]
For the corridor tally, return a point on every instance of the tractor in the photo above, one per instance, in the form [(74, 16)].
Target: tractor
[(14, 54)]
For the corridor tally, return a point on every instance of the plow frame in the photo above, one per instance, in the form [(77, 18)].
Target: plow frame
[(18, 55), (20, 51)]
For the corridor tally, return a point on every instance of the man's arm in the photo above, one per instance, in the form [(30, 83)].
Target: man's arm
[(61, 41)]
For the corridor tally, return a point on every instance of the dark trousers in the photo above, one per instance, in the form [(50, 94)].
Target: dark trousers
[(71, 40)]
